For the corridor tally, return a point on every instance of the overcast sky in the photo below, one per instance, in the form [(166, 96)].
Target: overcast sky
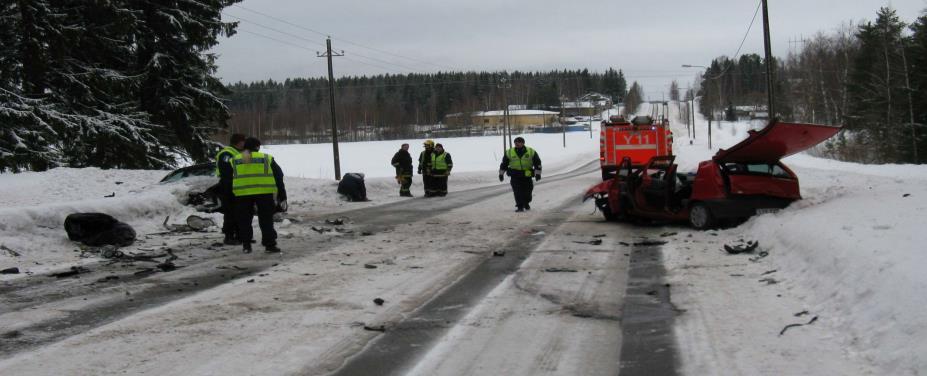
[(649, 40)]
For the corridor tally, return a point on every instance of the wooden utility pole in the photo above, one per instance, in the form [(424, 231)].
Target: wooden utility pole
[(331, 95), (505, 114), (769, 64)]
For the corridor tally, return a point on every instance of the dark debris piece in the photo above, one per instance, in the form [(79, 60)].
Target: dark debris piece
[(370, 266), (741, 247), (598, 236), (906, 195), (650, 242), (769, 281), (10, 271), (770, 271), (560, 270), (667, 234), (378, 328), (498, 253), (592, 242), (378, 301), (75, 270), (813, 319), (800, 314), (336, 221)]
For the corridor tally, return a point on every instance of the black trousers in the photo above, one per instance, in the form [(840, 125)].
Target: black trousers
[(244, 206), (229, 224), (522, 187), (429, 182)]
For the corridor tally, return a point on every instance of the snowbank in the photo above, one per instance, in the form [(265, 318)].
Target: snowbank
[(850, 249)]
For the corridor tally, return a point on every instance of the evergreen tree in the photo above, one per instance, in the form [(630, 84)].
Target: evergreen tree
[(876, 87), (633, 99), (674, 91), (178, 87)]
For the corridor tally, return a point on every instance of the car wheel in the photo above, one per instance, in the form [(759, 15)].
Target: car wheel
[(602, 204), (700, 217)]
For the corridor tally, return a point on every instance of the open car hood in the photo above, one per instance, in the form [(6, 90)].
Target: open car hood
[(778, 140)]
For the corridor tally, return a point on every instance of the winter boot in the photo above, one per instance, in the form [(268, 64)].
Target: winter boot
[(272, 249), (231, 240), (246, 247)]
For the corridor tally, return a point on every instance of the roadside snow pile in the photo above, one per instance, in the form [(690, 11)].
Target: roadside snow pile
[(851, 248), (855, 243)]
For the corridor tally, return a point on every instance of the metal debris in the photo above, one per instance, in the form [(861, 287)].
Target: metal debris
[(741, 247), (813, 319)]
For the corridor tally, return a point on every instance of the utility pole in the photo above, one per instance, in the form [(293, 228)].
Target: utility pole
[(331, 94), (505, 114), (769, 63)]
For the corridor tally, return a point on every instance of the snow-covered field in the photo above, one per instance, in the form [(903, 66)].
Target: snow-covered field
[(848, 253)]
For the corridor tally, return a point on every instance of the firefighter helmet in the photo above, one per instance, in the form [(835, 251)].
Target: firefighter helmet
[(429, 143)]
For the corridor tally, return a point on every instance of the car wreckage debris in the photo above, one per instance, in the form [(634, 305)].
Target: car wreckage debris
[(10, 271), (787, 327), (378, 301), (10, 251), (194, 223), (560, 270), (378, 328), (650, 243), (75, 270), (592, 242), (741, 247)]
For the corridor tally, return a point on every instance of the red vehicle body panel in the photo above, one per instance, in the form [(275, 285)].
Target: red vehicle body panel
[(735, 183), (776, 141)]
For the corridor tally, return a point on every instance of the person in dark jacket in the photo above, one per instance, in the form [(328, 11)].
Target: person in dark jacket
[(226, 198), (257, 181), (521, 163), (441, 165), (424, 167), (402, 161)]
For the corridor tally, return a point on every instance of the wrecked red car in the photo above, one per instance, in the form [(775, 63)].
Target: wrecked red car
[(737, 183)]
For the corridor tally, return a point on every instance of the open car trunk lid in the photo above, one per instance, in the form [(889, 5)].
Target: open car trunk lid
[(776, 141)]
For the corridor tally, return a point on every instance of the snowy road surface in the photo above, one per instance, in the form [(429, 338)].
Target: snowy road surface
[(305, 312)]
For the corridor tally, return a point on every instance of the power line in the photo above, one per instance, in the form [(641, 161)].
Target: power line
[(737, 53), (322, 45), (341, 40)]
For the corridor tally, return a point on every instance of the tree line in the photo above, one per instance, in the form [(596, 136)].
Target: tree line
[(392, 106), (113, 84), (871, 78)]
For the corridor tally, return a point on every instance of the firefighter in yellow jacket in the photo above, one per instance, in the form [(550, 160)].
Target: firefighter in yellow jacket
[(257, 180)]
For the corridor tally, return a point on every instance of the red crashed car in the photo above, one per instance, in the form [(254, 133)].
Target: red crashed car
[(736, 183)]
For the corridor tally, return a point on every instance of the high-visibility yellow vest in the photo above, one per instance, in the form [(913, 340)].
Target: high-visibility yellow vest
[(230, 150), (438, 161), (524, 163), (254, 176)]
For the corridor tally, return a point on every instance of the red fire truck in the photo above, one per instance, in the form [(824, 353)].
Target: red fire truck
[(640, 139)]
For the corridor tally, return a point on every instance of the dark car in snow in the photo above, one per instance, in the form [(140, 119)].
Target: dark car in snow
[(742, 181), (204, 200)]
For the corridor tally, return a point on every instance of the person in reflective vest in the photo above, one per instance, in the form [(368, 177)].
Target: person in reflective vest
[(441, 165), (521, 163), (226, 198), (402, 161), (257, 182), (424, 167)]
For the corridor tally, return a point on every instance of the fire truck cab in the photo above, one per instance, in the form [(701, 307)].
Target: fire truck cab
[(640, 139)]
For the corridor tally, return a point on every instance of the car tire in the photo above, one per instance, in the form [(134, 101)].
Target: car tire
[(602, 204), (700, 217)]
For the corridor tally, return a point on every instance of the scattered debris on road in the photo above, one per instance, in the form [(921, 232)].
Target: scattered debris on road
[(648, 242), (10, 251), (370, 266), (598, 236), (498, 253), (761, 255), (194, 223), (592, 242), (769, 281), (667, 234), (75, 270), (560, 270), (800, 314), (98, 229), (770, 272), (378, 328), (813, 319), (335, 221), (378, 301), (741, 247), (13, 270)]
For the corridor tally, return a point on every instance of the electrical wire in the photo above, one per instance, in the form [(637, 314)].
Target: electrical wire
[(340, 39), (737, 53)]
